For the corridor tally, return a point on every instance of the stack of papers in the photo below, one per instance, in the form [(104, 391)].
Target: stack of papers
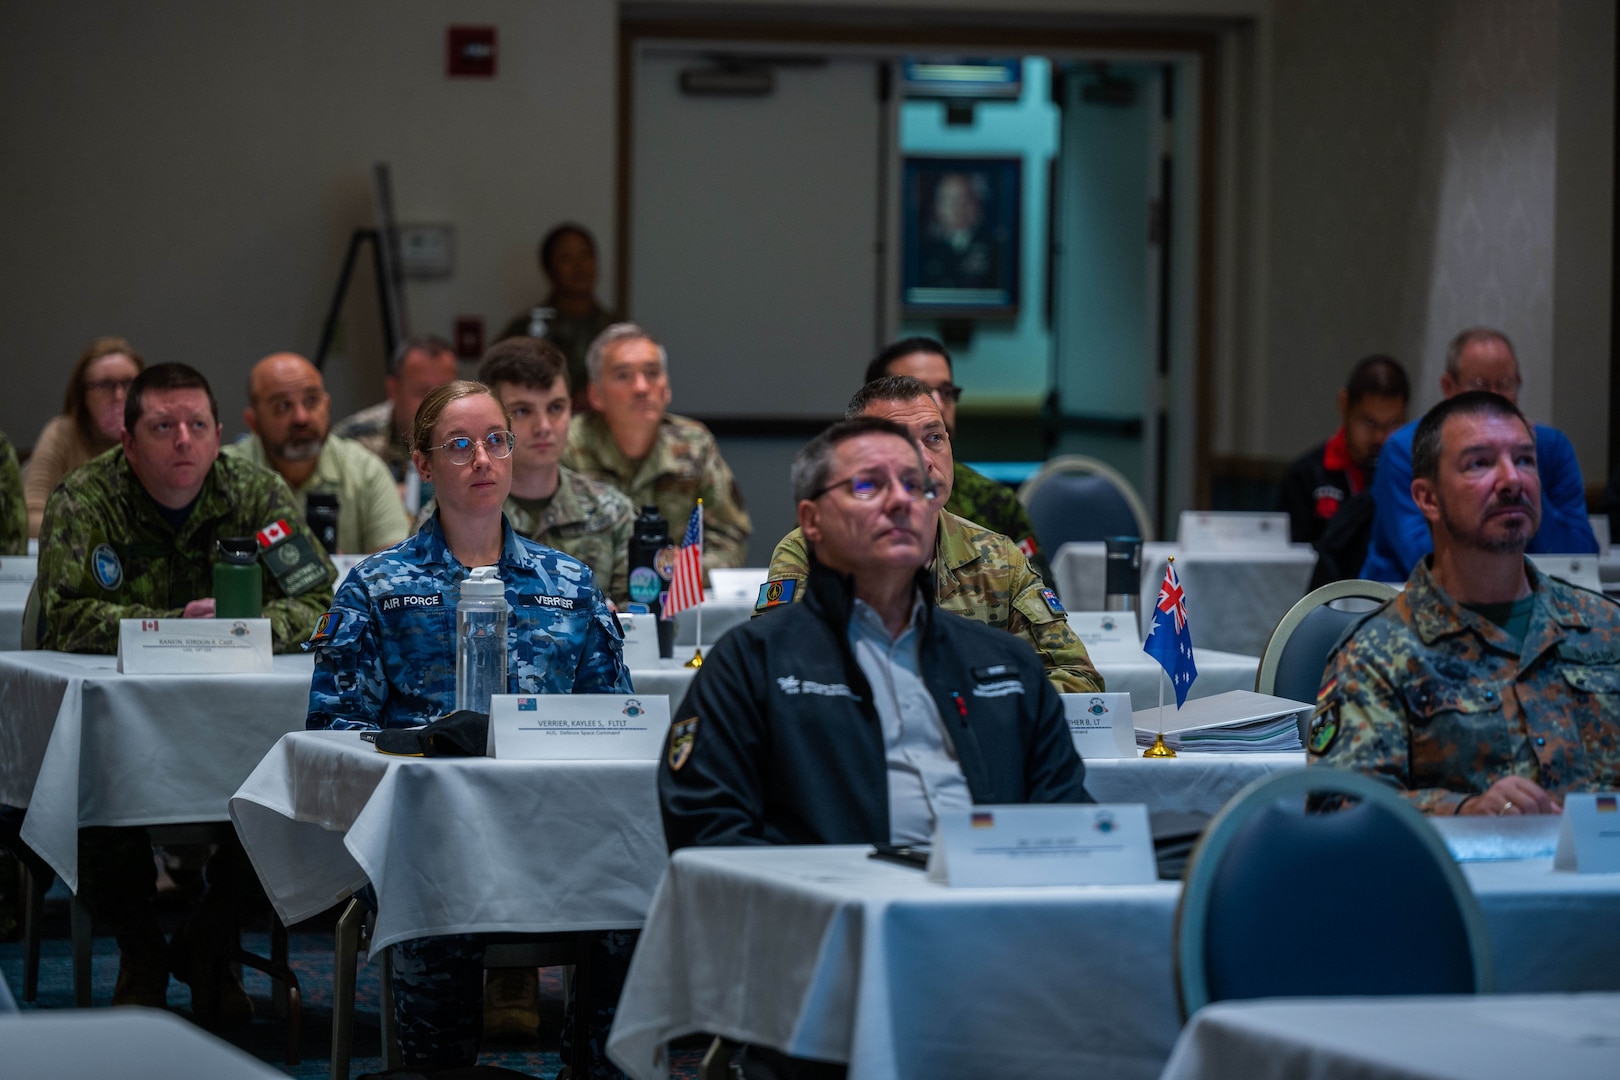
[(1236, 720)]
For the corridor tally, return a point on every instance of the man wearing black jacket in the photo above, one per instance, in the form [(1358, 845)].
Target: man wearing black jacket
[(858, 715)]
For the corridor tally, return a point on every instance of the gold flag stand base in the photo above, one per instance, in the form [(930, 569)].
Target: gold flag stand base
[(697, 660), (1159, 748)]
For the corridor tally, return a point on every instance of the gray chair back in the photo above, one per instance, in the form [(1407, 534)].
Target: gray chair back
[(1079, 498), (1292, 663)]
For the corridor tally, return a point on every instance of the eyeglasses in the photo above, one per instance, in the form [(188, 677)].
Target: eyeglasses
[(871, 485), (949, 392), (460, 450), (109, 386), (1501, 387)]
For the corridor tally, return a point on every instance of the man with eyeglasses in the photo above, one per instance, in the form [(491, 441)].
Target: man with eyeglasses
[(973, 495), (133, 534), (289, 417), (978, 574), (861, 713), (656, 458), (1477, 359)]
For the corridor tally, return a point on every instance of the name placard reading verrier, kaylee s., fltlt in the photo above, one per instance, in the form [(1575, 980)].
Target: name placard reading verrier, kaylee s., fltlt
[(1044, 844), (194, 646), (578, 727)]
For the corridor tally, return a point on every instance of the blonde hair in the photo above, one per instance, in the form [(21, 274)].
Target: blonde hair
[(427, 414)]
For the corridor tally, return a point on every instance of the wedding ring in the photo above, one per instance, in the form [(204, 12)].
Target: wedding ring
[(1505, 807)]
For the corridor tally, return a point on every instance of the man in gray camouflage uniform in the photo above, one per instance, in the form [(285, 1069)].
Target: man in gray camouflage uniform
[(133, 534), (418, 365)]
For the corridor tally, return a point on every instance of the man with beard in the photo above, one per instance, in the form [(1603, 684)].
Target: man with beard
[(290, 416), (1485, 687)]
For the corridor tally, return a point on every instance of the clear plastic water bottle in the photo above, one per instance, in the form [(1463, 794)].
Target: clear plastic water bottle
[(481, 618)]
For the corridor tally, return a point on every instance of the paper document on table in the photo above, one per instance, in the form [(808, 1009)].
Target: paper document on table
[(1235, 720)]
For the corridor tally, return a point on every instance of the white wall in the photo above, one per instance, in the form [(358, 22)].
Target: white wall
[(186, 174)]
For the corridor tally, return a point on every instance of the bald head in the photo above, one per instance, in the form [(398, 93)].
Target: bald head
[(288, 409)]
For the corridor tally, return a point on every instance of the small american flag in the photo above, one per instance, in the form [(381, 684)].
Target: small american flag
[(686, 585)]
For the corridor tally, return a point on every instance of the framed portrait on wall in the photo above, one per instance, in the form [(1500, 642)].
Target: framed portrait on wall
[(959, 236)]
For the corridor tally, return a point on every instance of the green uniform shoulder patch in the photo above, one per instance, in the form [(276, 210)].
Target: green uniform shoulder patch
[(1324, 727)]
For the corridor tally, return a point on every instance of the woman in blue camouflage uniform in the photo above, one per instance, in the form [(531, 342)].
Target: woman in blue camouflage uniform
[(385, 657)]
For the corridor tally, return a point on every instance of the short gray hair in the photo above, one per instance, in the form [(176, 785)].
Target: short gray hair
[(812, 464), (612, 337), (432, 344), (1473, 336)]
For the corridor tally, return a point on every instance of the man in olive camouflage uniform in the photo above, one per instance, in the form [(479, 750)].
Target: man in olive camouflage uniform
[(13, 510), (978, 574), (1486, 687), (133, 534), (655, 457), (418, 365), (973, 495)]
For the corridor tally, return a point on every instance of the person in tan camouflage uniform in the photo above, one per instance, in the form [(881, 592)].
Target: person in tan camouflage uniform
[(655, 457), (132, 534), (418, 365), (1485, 687), (973, 495), (978, 573), (13, 508), (551, 503)]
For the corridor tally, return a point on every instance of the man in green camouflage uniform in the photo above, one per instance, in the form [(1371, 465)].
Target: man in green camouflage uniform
[(418, 365), (133, 534), (1486, 687), (653, 456), (978, 574), (973, 495), (13, 509)]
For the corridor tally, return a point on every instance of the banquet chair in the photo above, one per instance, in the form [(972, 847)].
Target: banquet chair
[(1295, 656), (33, 620), (1364, 901), (1074, 497)]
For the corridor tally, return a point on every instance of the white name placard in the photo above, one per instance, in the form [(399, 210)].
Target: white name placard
[(1043, 845), (1589, 842), (1232, 530), (640, 641), (578, 727), (19, 569), (1108, 635), (741, 584), (1101, 724), (194, 646)]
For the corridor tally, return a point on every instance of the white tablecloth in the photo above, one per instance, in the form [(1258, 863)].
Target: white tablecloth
[(81, 744), (452, 845), (1233, 598), (825, 953), (1572, 1037), (131, 1044), (1191, 781), (13, 599), (1218, 672)]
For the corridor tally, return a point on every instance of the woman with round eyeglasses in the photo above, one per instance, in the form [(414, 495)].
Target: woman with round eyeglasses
[(91, 420), (385, 658)]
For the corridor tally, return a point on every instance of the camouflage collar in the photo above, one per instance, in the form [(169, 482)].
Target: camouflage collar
[(1436, 614), (632, 475), (433, 548), (955, 547)]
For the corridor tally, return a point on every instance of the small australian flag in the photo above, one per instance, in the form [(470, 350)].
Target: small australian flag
[(1169, 639)]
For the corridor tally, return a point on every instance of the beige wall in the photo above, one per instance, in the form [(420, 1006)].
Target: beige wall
[(187, 173)]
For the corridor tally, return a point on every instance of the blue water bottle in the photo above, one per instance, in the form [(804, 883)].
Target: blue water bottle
[(481, 618)]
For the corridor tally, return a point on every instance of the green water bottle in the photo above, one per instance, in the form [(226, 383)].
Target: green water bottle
[(238, 592)]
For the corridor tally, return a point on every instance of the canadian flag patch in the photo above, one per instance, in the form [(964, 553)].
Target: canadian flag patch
[(1027, 546), (274, 533)]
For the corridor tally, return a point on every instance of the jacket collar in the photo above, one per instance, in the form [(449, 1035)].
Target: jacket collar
[(831, 595), (1436, 615)]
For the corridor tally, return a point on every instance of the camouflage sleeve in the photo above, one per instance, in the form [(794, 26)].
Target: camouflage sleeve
[(1039, 619), (601, 667), (77, 612), (726, 525), (291, 617), (13, 507), (350, 685), (618, 585), (1360, 725), (789, 562)]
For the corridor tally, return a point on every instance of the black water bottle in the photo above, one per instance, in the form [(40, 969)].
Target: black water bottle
[(650, 559), (321, 514)]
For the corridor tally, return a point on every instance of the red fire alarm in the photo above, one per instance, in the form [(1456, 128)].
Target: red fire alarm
[(469, 337), (471, 52)]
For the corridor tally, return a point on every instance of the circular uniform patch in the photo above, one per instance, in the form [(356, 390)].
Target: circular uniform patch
[(104, 564), (645, 584)]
